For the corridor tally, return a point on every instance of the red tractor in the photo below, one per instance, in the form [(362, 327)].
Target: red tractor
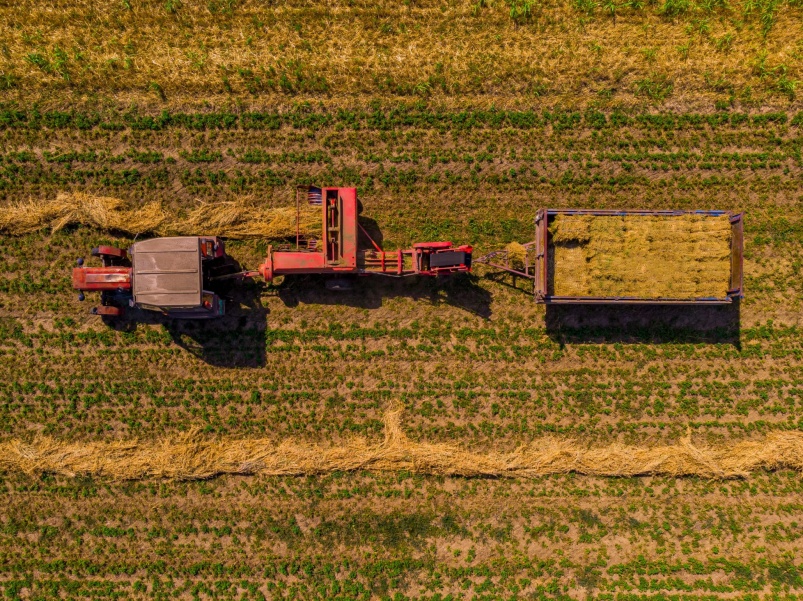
[(176, 275), (171, 275)]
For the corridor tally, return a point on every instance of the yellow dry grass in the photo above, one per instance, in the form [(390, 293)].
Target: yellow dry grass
[(516, 254), (685, 256), (193, 52), (230, 219), (193, 457)]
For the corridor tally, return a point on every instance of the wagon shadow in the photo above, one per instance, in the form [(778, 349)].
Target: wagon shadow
[(644, 324)]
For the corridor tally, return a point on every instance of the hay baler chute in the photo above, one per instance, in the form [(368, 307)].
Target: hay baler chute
[(540, 261)]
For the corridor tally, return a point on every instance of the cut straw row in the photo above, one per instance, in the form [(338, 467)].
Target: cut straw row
[(192, 457), (230, 219)]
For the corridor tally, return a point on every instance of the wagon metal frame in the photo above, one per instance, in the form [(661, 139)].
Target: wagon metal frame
[(536, 268)]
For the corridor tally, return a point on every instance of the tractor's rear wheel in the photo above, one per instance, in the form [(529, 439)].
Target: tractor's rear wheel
[(109, 251)]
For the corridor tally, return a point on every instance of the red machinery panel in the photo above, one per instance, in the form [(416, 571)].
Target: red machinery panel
[(101, 278), (340, 254)]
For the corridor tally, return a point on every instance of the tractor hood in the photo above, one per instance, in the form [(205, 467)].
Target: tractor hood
[(167, 272)]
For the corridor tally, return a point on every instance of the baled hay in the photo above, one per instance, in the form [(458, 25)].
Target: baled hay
[(647, 256), (576, 229), (516, 254), (194, 457), (232, 219), (572, 260)]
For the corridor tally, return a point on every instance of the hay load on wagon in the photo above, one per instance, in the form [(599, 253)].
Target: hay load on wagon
[(648, 256), (603, 256)]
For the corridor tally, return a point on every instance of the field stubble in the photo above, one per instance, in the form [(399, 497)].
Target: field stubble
[(455, 120), (685, 55), (478, 368)]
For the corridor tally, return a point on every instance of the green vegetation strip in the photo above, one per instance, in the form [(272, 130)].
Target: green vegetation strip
[(382, 116)]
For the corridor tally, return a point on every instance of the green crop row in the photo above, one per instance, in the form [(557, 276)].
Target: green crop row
[(403, 116), (623, 538), (511, 179), (762, 341), (676, 160)]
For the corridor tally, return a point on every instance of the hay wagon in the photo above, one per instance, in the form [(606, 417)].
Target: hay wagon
[(638, 257)]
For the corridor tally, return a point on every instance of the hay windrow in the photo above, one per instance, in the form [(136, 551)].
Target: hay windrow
[(192, 457), (685, 256), (231, 219)]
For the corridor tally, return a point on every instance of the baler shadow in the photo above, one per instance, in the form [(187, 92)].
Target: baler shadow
[(237, 339), (373, 231), (370, 292), (644, 324)]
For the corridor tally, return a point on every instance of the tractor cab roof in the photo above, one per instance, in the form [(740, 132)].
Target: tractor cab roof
[(167, 272)]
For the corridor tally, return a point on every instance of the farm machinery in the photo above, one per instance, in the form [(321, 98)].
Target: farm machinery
[(178, 276)]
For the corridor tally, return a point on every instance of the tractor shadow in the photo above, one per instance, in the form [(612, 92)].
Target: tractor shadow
[(238, 339), (644, 324), (369, 292)]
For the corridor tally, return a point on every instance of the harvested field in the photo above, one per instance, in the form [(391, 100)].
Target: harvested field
[(252, 458), (490, 383), (643, 256), (694, 55)]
